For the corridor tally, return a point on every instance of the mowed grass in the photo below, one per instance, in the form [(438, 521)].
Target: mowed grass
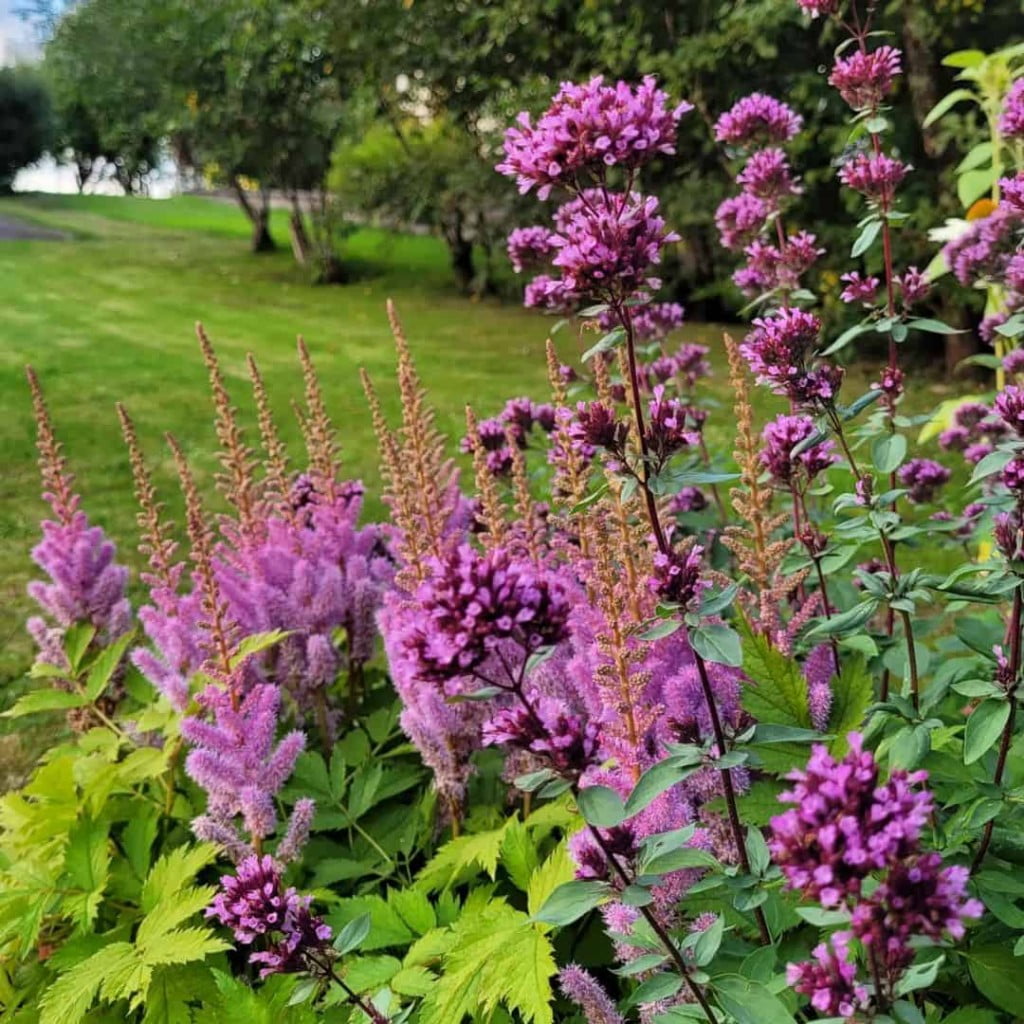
[(109, 315)]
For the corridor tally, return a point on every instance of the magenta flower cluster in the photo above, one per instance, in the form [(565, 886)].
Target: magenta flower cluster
[(257, 907), (588, 128), (846, 825), (923, 478), (780, 352), (757, 120), (865, 78), (781, 436), (474, 604)]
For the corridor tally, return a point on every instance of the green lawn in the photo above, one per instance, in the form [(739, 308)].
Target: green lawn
[(109, 316)]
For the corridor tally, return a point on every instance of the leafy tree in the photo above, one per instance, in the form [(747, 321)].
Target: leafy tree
[(25, 121), (101, 62)]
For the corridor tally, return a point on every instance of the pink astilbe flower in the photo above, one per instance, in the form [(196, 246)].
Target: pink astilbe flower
[(780, 437), (255, 905), (588, 128), (819, 667), (586, 992), (235, 758), (865, 77), (1011, 123), (876, 176), (757, 120), (830, 978), (922, 478), (529, 247), (768, 176), (845, 824)]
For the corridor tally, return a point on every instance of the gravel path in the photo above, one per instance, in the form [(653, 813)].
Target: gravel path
[(20, 230)]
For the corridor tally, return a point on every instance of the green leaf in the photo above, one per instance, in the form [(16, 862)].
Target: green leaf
[(414, 909), (984, 728), (611, 340), (558, 868), (717, 643), (174, 872), (678, 860), (992, 463), (462, 857), (852, 693), (846, 337), (498, 958), (996, 972), (976, 156), (68, 999), (843, 622), (601, 806), (353, 934), (664, 628), (256, 644), (749, 1001), (658, 778), (386, 925), (706, 946), (45, 700), (518, 854), (777, 692), (86, 866), (571, 900), (972, 185), (947, 103), (76, 642), (932, 326), (104, 665), (866, 238), (655, 988), (888, 452)]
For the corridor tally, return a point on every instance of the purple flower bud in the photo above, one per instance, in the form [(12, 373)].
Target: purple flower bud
[(757, 120)]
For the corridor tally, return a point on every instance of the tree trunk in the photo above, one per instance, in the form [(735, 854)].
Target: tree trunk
[(297, 229), (921, 69), (259, 217), (460, 249)]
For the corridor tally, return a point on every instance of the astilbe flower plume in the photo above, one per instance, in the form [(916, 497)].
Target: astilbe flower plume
[(234, 757), (865, 77), (86, 585), (757, 120), (586, 992), (257, 908), (590, 127)]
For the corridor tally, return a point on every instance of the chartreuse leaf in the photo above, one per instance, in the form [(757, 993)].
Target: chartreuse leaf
[(386, 925), (463, 857), (777, 692), (256, 644), (104, 665), (86, 867), (499, 957), (45, 700), (68, 999), (558, 868), (173, 872), (518, 854)]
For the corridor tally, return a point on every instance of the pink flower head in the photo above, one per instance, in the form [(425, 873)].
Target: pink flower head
[(830, 979), (1011, 124), (864, 78), (1013, 362), (779, 352), (844, 824), (586, 992), (608, 249), (767, 175), (757, 120), (859, 288), (677, 575), (922, 478), (554, 294), (655, 320), (914, 286), (875, 176), (780, 437), (528, 247), (984, 250), (588, 128), (818, 8), (1012, 190), (474, 602), (671, 426), (1009, 405), (740, 219)]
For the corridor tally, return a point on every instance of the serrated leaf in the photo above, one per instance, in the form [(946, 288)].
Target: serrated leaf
[(68, 999), (518, 854), (387, 928), (76, 642), (852, 693), (777, 691), (174, 872), (558, 868), (414, 909), (465, 854), (45, 700), (498, 958), (104, 665), (86, 866), (257, 644)]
